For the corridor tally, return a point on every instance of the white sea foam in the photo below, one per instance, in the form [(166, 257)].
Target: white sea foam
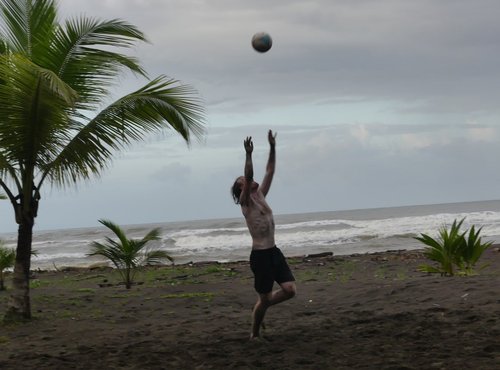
[(224, 240), (356, 230)]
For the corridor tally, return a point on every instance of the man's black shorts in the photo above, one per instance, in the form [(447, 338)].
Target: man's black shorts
[(268, 266)]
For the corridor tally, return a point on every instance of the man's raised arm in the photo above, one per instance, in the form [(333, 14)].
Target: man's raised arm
[(271, 164), (245, 193)]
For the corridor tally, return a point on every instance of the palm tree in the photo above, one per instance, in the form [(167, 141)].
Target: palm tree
[(54, 79), (127, 254), (7, 258)]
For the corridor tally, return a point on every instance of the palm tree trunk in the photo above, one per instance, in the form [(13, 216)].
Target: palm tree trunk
[(128, 282), (19, 307)]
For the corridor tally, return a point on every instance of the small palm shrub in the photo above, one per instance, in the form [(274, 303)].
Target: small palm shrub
[(471, 250), (453, 250), (128, 254), (7, 259)]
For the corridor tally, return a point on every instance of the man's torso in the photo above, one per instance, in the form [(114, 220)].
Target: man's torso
[(260, 221)]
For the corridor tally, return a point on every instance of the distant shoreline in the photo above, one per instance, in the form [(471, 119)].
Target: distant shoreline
[(487, 203)]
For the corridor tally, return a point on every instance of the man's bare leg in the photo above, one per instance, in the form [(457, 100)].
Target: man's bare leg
[(259, 310), (286, 291)]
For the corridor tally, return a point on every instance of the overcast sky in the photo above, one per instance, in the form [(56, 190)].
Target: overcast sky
[(376, 104)]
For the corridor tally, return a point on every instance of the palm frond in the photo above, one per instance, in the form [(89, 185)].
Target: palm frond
[(82, 56), (117, 230), (156, 257), (472, 250), (17, 24), (152, 235), (107, 251), (7, 170), (29, 26), (34, 106), (160, 105), (4, 49)]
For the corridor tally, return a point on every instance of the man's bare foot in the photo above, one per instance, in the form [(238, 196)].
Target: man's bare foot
[(257, 339)]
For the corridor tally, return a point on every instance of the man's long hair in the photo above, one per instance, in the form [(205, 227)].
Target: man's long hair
[(236, 191)]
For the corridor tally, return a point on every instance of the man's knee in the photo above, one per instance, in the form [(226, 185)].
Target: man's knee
[(289, 289), (265, 300)]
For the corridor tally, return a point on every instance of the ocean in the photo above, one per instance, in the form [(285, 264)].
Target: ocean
[(224, 240)]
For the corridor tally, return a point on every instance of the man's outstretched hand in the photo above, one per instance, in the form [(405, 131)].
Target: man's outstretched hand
[(272, 138), (248, 145)]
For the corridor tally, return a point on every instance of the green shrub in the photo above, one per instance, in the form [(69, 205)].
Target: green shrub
[(471, 250), (453, 250), (7, 259), (128, 254)]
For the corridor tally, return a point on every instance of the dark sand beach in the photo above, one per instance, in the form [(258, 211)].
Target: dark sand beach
[(373, 311)]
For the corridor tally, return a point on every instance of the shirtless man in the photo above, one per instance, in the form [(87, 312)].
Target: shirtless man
[(266, 260)]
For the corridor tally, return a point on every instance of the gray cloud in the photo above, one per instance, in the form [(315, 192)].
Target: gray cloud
[(440, 55), (173, 173)]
